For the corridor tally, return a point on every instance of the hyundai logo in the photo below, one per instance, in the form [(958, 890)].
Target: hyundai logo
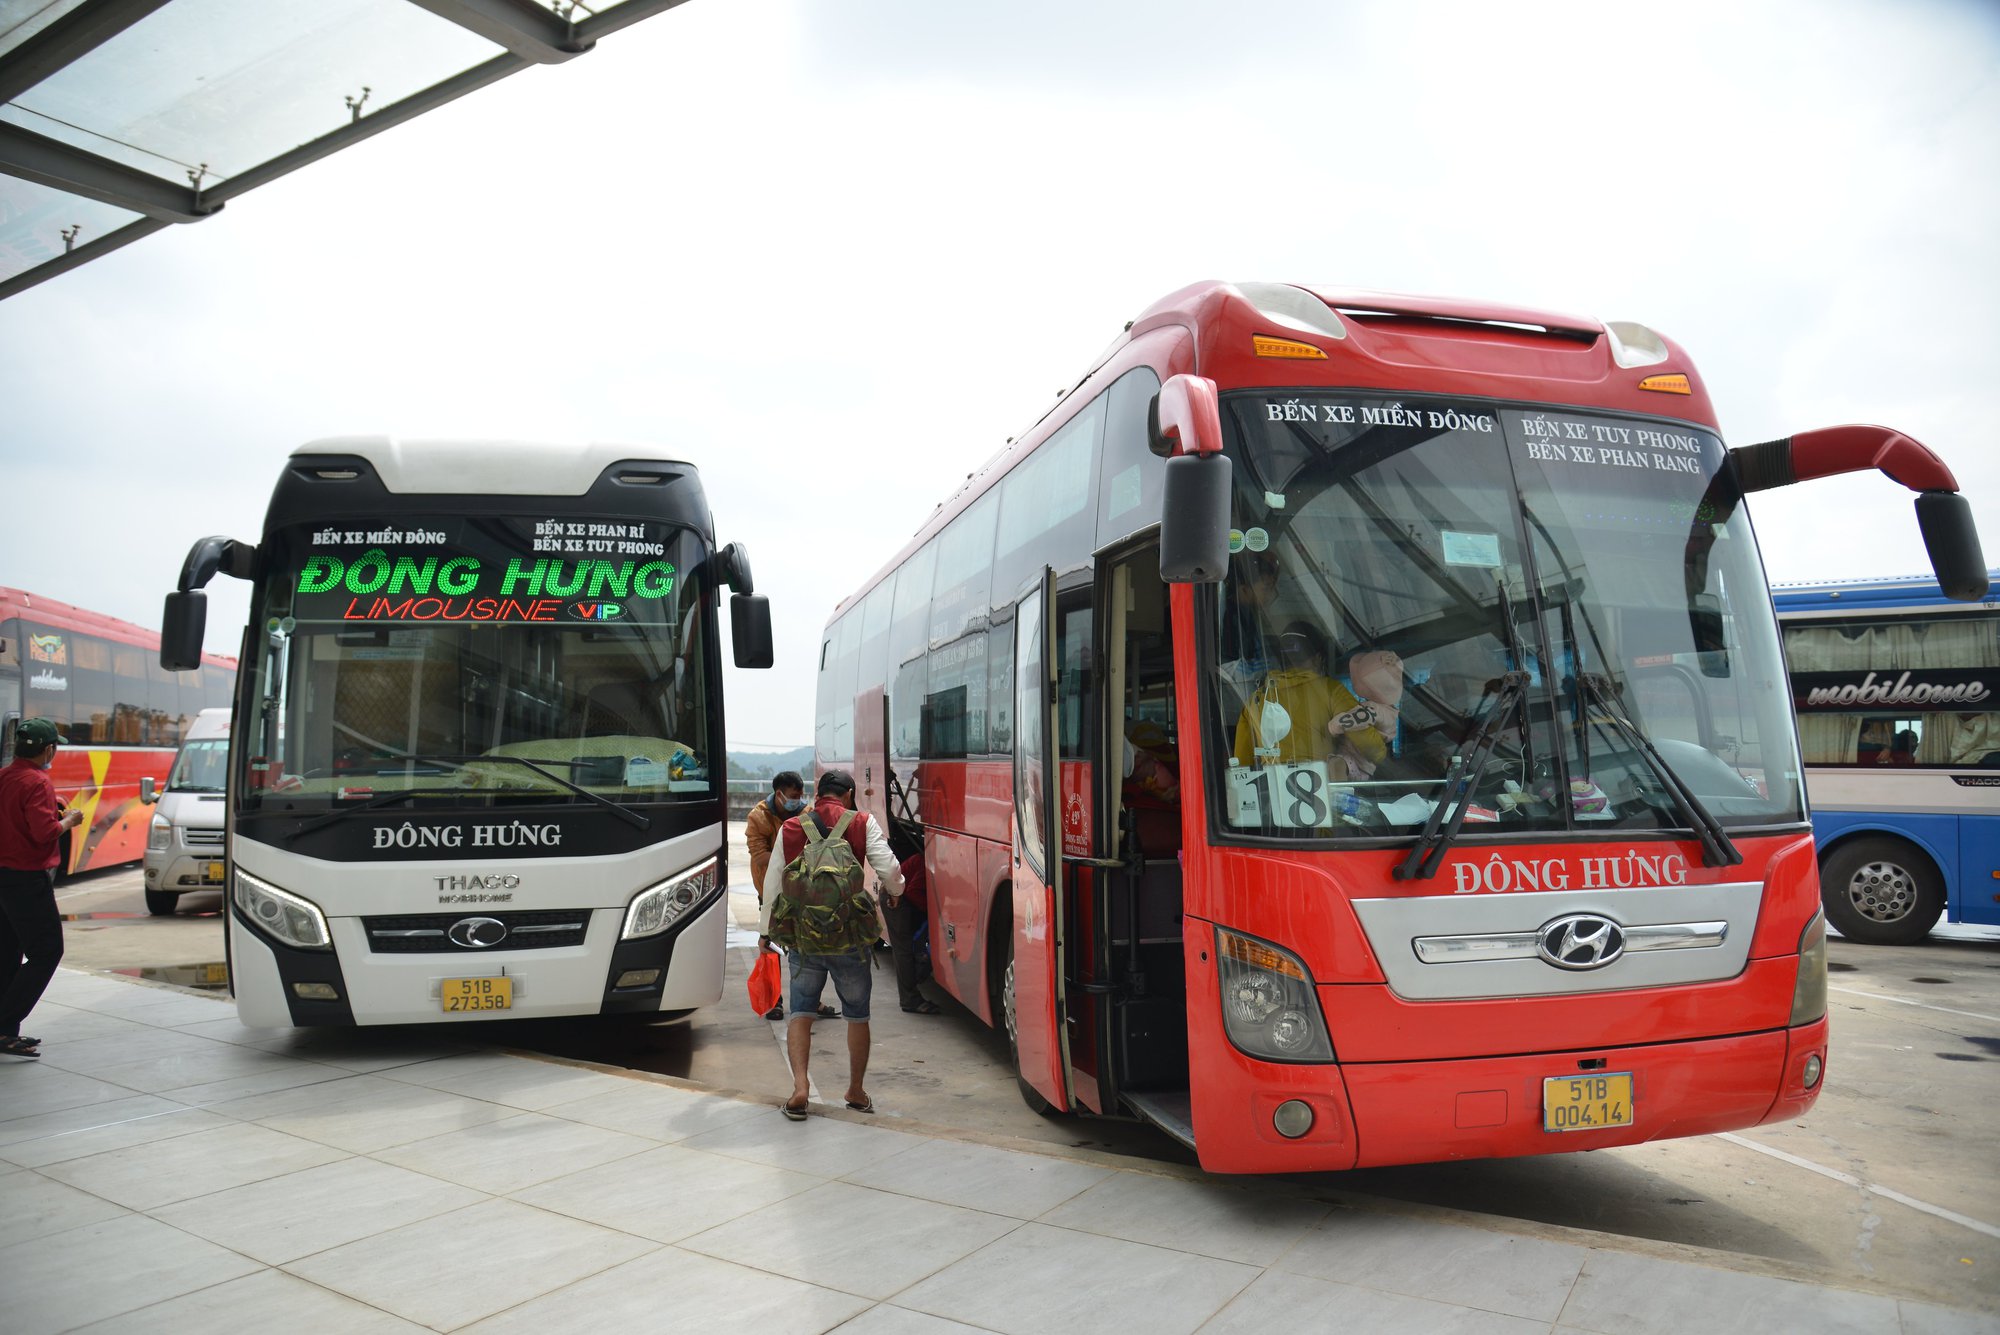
[(477, 933), (1580, 941)]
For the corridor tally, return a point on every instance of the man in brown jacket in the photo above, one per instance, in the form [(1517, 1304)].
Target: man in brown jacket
[(787, 799)]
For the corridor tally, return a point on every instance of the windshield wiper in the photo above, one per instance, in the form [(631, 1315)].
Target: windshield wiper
[(1440, 831), (624, 813), (1716, 848), (380, 800)]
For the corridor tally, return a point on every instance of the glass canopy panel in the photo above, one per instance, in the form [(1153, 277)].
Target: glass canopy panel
[(234, 83), (22, 19), (33, 218)]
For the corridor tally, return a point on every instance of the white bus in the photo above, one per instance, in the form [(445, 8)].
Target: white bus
[(1897, 689), (477, 766)]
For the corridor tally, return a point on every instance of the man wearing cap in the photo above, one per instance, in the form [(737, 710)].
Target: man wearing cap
[(31, 829), (832, 800), (760, 832)]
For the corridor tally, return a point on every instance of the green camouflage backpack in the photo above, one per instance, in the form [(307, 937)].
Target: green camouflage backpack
[(821, 907)]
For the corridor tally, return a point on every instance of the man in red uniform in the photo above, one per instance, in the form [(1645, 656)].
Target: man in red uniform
[(31, 828)]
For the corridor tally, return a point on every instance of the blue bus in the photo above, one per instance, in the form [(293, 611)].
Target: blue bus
[(1897, 690)]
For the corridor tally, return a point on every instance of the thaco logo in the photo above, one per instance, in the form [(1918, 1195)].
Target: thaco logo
[(596, 611)]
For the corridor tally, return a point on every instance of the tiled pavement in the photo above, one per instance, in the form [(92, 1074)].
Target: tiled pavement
[(164, 1169)]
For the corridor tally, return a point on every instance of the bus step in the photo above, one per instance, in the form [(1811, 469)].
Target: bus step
[(1172, 1111)]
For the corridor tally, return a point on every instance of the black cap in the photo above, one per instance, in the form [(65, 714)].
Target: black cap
[(834, 783)]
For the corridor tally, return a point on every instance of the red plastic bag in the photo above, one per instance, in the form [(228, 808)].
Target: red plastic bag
[(766, 982)]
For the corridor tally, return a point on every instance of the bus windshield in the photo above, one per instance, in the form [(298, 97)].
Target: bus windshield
[(395, 662), (201, 767), (1562, 611)]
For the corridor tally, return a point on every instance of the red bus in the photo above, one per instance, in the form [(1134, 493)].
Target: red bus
[(1350, 729), (100, 680)]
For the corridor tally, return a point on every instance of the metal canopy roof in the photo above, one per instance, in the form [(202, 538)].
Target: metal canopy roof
[(120, 117)]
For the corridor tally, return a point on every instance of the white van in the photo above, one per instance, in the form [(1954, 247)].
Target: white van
[(184, 849)]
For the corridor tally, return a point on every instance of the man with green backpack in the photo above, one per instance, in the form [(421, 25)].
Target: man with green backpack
[(817, 907)]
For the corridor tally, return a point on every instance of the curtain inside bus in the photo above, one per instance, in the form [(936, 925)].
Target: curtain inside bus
[(1906, 691)]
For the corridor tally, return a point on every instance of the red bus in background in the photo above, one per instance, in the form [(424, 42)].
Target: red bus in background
[(100, 681), (1350, 729)]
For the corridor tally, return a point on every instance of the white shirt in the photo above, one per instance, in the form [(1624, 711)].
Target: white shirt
[(888, 875)]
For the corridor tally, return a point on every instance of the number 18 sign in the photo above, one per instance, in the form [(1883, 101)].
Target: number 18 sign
[(1293, 795)]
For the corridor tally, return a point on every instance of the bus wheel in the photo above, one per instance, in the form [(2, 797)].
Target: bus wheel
[(1010, 1017), (1881, 892), (161, 903)]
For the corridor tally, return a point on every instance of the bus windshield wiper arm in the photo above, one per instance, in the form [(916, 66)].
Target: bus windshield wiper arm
[(1717, 850), (1441, 831), (379, 800), (618, 809), (623, 813)]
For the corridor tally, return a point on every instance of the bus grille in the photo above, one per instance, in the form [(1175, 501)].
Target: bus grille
[(199, 838), (430, 933)]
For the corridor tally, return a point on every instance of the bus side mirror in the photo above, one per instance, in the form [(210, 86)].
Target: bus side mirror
[(149, 792), (750, 630), (1194, 519), (181, 626), (1942, 514), (732, 567), (1185, 417), (1953, 543)]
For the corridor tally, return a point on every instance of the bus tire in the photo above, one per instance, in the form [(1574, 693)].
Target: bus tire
[(162, 903), (1881, 891), (1006, 1018)]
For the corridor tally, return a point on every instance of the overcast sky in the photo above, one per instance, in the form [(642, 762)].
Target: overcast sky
[(870, 239)]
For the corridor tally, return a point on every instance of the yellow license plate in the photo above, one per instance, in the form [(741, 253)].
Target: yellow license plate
[(1586, 1102), (477, 994), (213, 873)]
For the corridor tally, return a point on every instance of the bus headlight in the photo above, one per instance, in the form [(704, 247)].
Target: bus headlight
[(292, 920), (1269, 1009), (1809, 993), (159, 835), (659, 907)]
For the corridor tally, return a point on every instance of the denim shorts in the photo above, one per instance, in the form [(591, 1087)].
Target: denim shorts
[(850, 981)]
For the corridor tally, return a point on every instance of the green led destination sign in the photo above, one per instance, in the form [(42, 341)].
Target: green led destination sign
[(419, 576)]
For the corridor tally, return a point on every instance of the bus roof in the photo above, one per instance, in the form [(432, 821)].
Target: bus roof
[(1896, 591), (489, 467), (68, 616)]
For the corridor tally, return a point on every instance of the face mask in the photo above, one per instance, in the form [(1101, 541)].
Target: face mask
[(792, 805)]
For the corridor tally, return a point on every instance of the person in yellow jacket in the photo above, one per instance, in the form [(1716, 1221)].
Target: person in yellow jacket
[(1306, 701)]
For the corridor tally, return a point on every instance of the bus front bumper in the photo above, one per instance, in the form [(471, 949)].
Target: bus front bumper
[(1370, 1115), (277, 986)]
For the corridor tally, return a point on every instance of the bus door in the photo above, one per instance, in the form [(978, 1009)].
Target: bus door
[(871, 756), (1032, 991), (1137, 970)]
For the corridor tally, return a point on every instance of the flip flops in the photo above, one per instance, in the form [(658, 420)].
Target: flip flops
[(792, 1114), (867, 1107), (20, 1047)]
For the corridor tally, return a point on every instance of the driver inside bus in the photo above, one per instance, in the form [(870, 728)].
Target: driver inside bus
[(1286, 720)]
